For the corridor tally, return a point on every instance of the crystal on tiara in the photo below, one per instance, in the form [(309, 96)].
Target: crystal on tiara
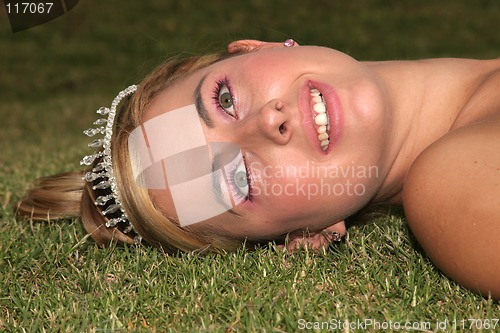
[(128, 229), (99, 167), (88, 160), (102, 200), (113, 222), (111, 209), (94, 131), (104, 169), (104, 111), (89, 177), (100, 121), (96, 143), (102, 185)]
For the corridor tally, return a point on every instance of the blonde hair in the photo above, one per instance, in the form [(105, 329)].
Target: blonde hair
[(67, 195)]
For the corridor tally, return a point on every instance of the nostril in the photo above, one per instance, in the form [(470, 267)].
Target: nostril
[(282, 129)]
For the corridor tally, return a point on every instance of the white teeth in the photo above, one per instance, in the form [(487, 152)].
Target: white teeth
[(315, 92), (321, 118), (319, 107), (317, 99), (323, 136)]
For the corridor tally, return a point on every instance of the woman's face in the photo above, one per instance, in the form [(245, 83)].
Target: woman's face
[(265, 102)]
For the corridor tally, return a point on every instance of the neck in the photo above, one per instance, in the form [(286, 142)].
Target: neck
[(426, 100)]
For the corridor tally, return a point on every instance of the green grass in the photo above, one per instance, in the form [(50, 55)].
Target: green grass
[(53, 278)]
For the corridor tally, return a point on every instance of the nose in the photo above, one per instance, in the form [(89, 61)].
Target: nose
[(274, 123)]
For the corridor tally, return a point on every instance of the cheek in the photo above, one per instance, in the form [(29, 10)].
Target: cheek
[(366, 135), (287, 197)]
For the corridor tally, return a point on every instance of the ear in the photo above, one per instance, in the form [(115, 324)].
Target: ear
[(318, 240), (251, 45), (245, 45)]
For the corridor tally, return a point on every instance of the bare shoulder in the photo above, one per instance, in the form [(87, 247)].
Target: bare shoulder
[(451, 198)]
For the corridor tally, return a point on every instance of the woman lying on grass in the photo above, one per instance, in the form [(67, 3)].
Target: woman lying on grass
[(280, 142)]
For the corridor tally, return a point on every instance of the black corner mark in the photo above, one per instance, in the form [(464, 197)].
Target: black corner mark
[(70, 4), (26, 14)]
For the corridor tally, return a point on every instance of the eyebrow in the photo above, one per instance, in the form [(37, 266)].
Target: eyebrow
[(216, 165), (200, 107)]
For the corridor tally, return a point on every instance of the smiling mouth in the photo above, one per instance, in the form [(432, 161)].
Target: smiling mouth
[(320, 117)]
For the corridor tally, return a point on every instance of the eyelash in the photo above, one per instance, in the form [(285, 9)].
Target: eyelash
[(219, 84)]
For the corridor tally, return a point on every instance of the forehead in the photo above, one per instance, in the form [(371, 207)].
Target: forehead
[(178, 95)]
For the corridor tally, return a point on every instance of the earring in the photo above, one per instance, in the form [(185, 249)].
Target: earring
[(289, 43), (334, 236)]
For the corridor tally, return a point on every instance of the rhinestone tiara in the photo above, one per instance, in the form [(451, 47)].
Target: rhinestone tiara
[(103, 171)]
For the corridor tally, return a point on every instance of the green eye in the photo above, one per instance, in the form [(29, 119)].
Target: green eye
[(240, 182), (241, 179), (226, 100)]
